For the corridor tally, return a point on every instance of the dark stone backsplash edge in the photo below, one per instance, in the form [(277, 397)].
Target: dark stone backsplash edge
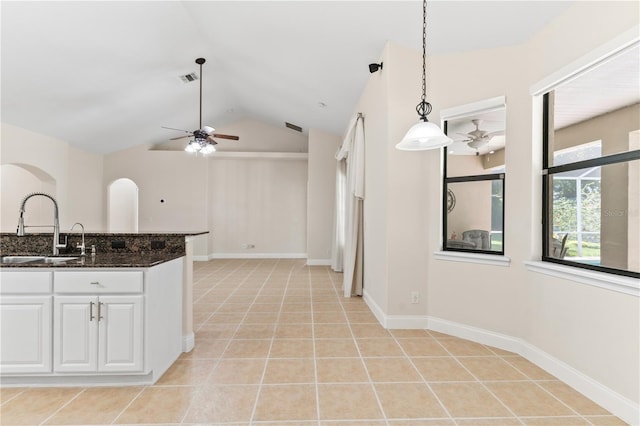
[(158, 243)]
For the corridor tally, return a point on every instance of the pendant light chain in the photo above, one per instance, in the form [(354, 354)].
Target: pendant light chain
[(424, 108)]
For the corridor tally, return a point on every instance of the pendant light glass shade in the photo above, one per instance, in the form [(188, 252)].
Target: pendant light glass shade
[(423, 136)]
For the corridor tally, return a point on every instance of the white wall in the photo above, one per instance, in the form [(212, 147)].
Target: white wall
[(321, 195)]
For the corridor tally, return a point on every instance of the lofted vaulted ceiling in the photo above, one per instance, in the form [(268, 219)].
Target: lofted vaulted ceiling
[(104, 76)]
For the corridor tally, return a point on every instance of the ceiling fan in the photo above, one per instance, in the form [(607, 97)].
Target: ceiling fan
[(478, 138), (203, 139)]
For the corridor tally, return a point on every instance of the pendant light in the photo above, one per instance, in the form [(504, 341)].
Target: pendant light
[(424, 135)]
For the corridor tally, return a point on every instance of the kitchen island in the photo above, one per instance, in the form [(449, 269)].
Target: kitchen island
[(117, 317)]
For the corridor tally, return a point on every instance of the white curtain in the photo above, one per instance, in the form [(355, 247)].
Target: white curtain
[(349, 208)]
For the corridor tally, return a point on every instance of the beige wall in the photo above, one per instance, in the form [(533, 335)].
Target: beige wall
[(321, 194), (72, 176), (583, 327)]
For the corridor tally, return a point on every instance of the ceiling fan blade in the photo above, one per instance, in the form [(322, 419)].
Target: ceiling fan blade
[(496, 133), (221, 136), (173, 128), (212, 141), (180, 137)]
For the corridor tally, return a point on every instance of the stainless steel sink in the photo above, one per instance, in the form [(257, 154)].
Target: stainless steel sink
[(34, 259), (57, 259)]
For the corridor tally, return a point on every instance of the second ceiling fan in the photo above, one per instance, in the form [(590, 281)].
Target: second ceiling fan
[(203, 138)]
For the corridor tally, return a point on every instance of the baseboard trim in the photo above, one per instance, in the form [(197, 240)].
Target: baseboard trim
[(319, 262), (618, 405), (201, 258), (257, 256), (188, 342)]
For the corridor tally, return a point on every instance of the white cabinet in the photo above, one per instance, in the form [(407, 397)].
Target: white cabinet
[(95, 330), (98, 333), (25, 323)]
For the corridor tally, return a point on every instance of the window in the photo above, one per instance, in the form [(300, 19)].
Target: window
[(474, 178), (591, 162)]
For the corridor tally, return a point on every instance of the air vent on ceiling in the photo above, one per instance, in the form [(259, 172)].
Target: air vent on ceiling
[(293, 127), (188, 78)]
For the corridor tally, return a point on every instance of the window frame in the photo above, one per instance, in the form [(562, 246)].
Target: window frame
[(549, 171)]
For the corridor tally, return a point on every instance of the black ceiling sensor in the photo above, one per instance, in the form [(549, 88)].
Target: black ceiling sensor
[(375, 67)]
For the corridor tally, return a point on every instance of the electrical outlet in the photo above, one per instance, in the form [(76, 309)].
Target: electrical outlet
[(252, 246), (244, 246), (415, 297)]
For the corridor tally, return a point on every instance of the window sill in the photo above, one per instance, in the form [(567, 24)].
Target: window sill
[(485, 259), (621, 284)]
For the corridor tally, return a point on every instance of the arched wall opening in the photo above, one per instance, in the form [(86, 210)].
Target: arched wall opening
[(122, 201)]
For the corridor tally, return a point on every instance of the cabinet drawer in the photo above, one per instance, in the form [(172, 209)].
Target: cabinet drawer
[(25, 282), (97, 282)]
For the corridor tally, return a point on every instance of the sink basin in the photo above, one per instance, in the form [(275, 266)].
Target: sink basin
[(45, 259), (58, 259), (21, 259)]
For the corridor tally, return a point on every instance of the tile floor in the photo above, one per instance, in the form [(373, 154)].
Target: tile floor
[(276, 344)]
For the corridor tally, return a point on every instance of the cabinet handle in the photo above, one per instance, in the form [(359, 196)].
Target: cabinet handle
[(91, 317), (95, 282), (100, 311)]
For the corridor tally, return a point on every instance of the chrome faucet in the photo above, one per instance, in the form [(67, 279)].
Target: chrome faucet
[(80, 246), (56, 225)]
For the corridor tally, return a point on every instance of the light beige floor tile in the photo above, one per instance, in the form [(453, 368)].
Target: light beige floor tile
[(255, 331), (158, 405), (528, 399), (206, 348), (461, 347), (264, 307), (294, 331), (95, 406), (441, 369), (529, 369), (296, 307), (34, 405), (327, 307), (399, 333), (362, 317), (331, 331), (238, 371), (295, 318), (286, 402), (233, 308), (354, 423), (411, 400), (329, 318), (333, 370), (369, 330), (554, 421), (335, 348), (491, 368), (8, 393), (379, 347), (606, 421), (574, 399), (218, 330), (247, 349), (218, 404), (269, 299), (289, 370), (291, 348), (226, 318), (416, 422), (469, 400), (187, 372), (422, 347), (391, 370), (260, 318), (348, 402), (495, 421)]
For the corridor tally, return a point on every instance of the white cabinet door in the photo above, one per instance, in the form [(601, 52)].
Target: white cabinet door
[(25, 323), (75, 333), (120, 333)]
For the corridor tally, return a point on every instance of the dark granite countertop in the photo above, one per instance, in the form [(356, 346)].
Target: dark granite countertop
[(102, 260)]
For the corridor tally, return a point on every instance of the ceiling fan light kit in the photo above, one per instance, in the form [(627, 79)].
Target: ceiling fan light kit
[(203, 141), (424, 135)]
